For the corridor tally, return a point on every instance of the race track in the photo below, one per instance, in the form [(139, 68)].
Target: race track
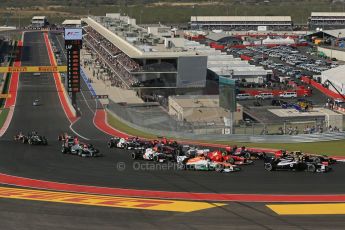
[(48, 163)]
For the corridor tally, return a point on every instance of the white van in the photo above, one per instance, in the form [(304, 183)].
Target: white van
[(265, 95), (288, 95), (244, 96)]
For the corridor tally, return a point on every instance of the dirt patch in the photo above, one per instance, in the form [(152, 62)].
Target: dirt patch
[(186, 3)]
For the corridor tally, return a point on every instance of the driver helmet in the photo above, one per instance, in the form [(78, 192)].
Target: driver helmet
[(228, 149)]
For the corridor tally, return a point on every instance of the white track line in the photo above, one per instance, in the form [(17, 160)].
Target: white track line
[(70, 127)]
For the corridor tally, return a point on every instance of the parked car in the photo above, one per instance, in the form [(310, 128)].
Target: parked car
[(244, 96), (291, 95), (265, 96)]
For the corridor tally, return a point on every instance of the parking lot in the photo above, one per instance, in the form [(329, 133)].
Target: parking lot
[(288, 64), (286, 61)]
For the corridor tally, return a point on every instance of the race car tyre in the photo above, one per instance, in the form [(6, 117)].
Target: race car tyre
[(268, 166), (219, 168), (181, 166), (44, 141), (135, 156), (311, 168), (317, 160), (332, 161), (156, 158), (247, 155), (260, 155), (63, 150), (231, 161), (110, 144)]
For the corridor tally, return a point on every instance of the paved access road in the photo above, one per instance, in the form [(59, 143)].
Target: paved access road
[(46, 162)]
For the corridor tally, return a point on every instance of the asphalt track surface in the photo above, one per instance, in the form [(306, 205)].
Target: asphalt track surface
[(47, 163), (19, 214)]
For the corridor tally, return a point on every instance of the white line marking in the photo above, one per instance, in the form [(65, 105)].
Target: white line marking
[(86, 102), (70, 127)]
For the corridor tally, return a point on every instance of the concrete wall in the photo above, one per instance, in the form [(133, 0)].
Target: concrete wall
[(194, 113)]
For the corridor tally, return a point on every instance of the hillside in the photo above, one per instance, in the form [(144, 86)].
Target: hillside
[(13, 12)]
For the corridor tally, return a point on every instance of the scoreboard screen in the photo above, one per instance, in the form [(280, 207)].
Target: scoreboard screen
[(227, 94), (73, 44)]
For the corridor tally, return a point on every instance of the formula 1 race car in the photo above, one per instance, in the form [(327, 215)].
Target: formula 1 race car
[(202, 163), (128, 143), (158, 154), (308, 157), (72, 146), (186, 151), (218, 156), (36, 102), (168, 142), (32, 138), (20, 137), (244, 152), (295, 164)]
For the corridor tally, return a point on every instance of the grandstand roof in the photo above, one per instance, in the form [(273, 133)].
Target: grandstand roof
[(136, 50), (241, 18), (336, 33), (335, 75), (71, 22), (328, 14), (217, 36), (340, 33)]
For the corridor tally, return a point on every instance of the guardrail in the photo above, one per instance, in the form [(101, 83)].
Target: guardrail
[(237, 137)]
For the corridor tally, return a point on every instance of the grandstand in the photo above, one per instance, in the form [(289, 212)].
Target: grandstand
[(326, 20), (241, 23), (138, 58)]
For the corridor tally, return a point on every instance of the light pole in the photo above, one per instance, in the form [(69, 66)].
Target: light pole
[(141, 13), (262, 54)]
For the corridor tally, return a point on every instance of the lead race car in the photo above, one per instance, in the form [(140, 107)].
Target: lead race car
[(73, 146)]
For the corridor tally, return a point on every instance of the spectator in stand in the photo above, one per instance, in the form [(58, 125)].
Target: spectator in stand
[(109, 55)]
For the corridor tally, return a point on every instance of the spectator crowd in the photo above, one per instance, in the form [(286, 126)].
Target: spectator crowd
[(110, 55)]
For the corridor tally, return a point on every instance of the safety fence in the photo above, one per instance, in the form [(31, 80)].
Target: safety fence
[(287, 132)]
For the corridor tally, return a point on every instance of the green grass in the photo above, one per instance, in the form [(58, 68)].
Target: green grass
[(334, 148), (149, 13), (114, 122), (3, 116)]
